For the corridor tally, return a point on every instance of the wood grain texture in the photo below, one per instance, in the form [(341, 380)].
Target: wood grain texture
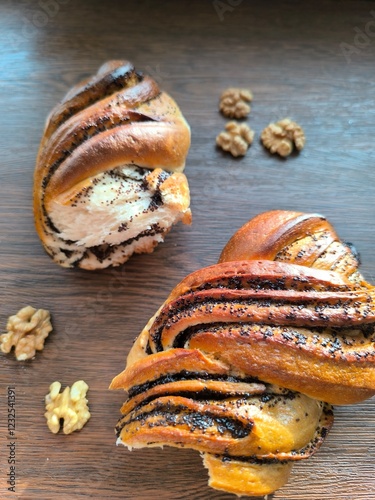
[(291, 55)]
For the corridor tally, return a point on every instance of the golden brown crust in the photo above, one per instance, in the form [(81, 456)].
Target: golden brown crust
[(245, 478), (187, 383), (153, 367), (182, 397), (293, 320), (117, 117), (263, 236), (294, 237), (309, 329), (251, 269), (84, 124), (238, 426), (290, 358), (149, 144), (281, 317)]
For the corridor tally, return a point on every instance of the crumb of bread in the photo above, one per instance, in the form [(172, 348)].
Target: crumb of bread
[(281, 137), (115, 214), (233, 102), (26, 332), (69, 406), (236, 138)]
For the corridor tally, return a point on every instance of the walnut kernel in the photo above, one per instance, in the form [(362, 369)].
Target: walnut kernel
[(27, 331), (70, 406), (236, 138), (279, 137), (233, 102)]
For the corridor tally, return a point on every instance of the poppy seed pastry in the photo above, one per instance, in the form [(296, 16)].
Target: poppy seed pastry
[(245, 357), (108, 180)]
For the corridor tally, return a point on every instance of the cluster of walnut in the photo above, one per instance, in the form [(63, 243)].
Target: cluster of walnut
[(233, 102), (27, 331), (236, 138), (69, 406), (282, 136)]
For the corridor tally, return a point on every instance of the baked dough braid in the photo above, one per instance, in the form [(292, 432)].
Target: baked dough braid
[(108, 178), (244, 358), (295, 237)]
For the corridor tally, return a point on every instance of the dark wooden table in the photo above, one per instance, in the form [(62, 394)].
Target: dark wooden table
[(312, 61)]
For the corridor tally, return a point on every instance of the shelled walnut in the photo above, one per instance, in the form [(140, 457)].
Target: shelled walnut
[(70, 406), (27, 331), (236, 138), (279, 137), (233, 102)]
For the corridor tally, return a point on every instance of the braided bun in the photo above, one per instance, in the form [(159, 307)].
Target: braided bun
[(108, 180), (244, 358)]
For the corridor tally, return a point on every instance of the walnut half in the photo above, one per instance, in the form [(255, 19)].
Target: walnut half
[(27, 331), (236, 138), (233, 102), (279, 137), (69, 405)]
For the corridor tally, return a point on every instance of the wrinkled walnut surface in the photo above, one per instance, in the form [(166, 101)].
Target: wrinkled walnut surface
[(69, 405), (280, 137), (27, 331), (236, 138), (233, 102)]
